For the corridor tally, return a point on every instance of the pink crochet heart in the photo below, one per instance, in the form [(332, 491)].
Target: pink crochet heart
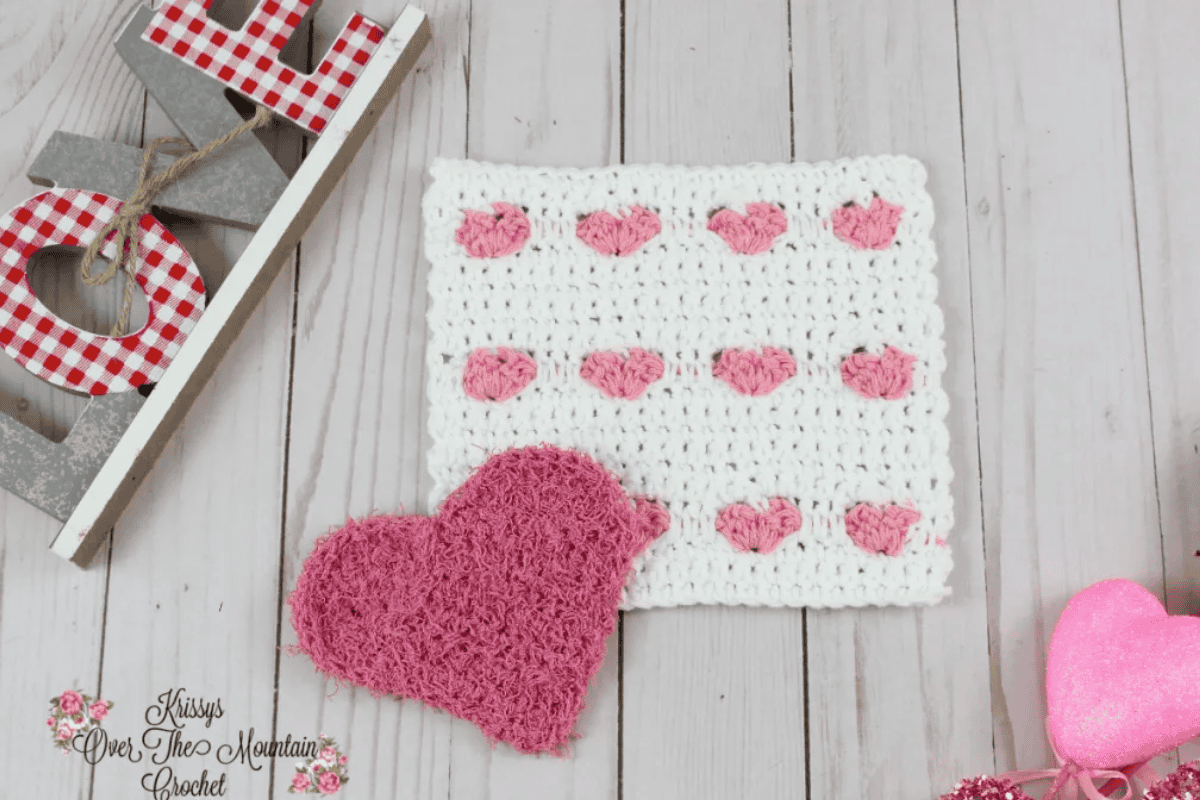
[(496, 609), (887, 377), (500, 233), (497, 376), (752, 373), (611, 236), (620, 376), (1122, 677), (871, 228), (753, 233), (751, 530), (880, 530)]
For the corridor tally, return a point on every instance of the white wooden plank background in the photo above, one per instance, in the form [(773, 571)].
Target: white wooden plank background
[(1059, 141)]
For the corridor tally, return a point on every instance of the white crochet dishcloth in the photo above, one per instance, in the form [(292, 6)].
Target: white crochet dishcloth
[(691, 440)]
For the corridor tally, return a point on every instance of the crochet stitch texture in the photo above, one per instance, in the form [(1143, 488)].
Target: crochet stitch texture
[(830, 264), (495, 609)]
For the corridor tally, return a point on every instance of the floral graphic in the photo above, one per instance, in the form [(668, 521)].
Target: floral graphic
[(72, 714), (324, 774)]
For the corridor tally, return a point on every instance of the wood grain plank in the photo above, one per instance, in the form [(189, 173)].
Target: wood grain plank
[(358, 438), (713, 698), (57, 71), (899, 703), (545, 90), (193, 598), (1064, 419), (1162, 69), (357, 434)]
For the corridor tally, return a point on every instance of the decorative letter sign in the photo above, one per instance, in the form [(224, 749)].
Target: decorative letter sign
[(68, 356), (185, 62), (247, 61)]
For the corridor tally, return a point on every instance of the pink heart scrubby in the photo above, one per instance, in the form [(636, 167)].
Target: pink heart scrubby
[(496, 609), (1122, 678)]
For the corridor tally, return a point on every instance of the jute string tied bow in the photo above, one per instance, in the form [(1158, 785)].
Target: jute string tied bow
[(127, 223)]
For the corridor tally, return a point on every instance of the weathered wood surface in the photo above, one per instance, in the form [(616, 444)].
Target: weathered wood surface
[(1058, 141)]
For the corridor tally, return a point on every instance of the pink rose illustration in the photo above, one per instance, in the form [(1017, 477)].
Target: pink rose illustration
[(342, 761), (64, 732), (300, 781), (329, 783), (328, 755), (98, 710), (70, 702), (50, 722)]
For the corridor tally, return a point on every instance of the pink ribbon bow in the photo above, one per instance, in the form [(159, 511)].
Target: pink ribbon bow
[(1070, 779)]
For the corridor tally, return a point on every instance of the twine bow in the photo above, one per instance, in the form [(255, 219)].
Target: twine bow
[(127, 222), (1070, 779)]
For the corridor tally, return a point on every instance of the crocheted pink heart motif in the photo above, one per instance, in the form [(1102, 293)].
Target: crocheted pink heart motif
[(497, 376), (500, 233), (752, 373), (751, 530), (871, 228), (752, 233), (887, 377), (496, 609), (1122, 677), (880, 530), (612, 236), (620, 376)]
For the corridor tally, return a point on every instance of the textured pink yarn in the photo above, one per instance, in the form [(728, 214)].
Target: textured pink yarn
[(501, 233), (887, 377), (620, 376), (752, 373), (871, 228), (497, 609), (880, 530), (751, 530), (985, 788), (752, 233), (497, 376), (612, 236), (1182, 784)]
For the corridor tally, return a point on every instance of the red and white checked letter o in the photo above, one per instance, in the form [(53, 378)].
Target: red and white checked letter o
[(71, 357)]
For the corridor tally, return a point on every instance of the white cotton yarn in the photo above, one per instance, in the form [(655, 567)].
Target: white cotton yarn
[(691, 441)]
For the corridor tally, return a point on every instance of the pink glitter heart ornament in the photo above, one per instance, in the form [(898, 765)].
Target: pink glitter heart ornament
[(1122, 678)]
